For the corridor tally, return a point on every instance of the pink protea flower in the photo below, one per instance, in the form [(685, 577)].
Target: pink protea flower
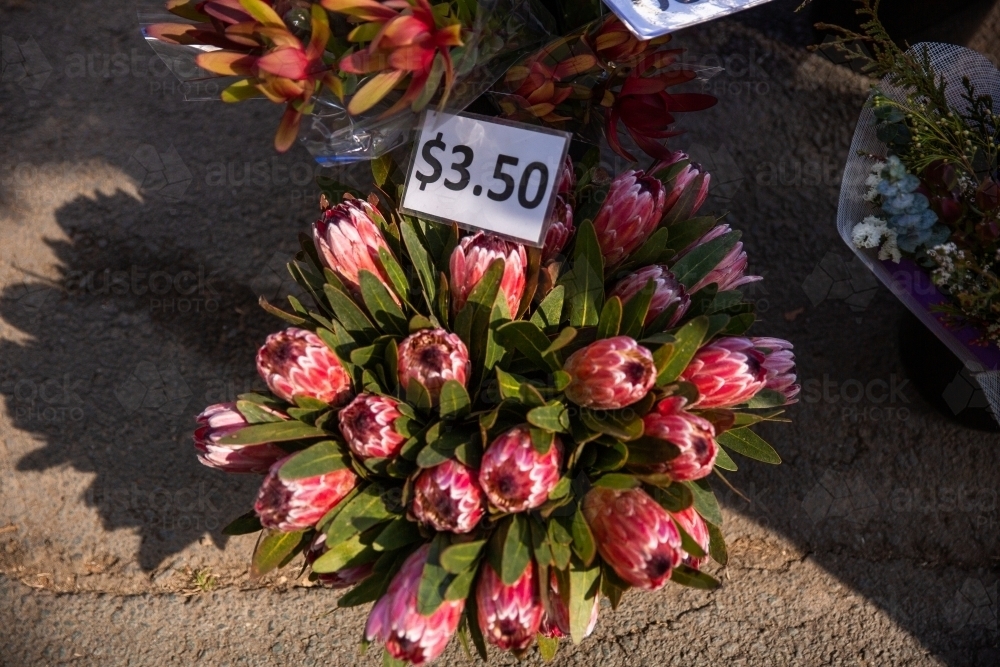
[(509, 616), (555, 621), (667, 292), (472, 257), (686, 179), (447, 498), (296, 362), (731, 271), (348, 240), (432, 357), (290, 505), (695, 526), (344, 578), (218, 421), (634, 535), (609, 374), (560, 230), (408, 634), (514, 476), (693, 435), (368, 426), (631, 213), (727, 372), (779, 364)]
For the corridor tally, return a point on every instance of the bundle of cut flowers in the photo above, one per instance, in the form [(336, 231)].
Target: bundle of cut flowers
[(935, 191), (372, 59), (482, 438), (603, 74)]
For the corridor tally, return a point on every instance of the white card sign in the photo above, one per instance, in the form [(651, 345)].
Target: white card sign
[(652, 18), (485, 174)]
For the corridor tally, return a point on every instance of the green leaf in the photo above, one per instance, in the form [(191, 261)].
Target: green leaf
[(418, 396), (272, 550), (616, 481), (472, 324), (458, 558), (547, 647), (739, 324), (495, 352), (474, 630), (705, 502), (516, 549), (622, 424), (717, 545), (683, 234), (584, 545), (374, 587), (611, 318), (689, 339), (746, 442), (688, 543), (350, 316), (434, 580), (675, 497), (551, 417), (283, 431), (459, 585), (541, 440), (255, 413), (650, 252), (548, 315), (398, 533), (382, 166), (379, 302), (455, 402), (355, 550), (395, 273), (585, 280), (244, 524), (319, 459), (703, 259), (635, 311), (611, 457), (422, 262), (565, 337), (688, 576), (584, 586), (278, 312), (370, 507), (767, 398), (529, 340), (724, 461)]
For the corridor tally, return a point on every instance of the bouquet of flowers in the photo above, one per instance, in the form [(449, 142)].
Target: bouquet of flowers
[(935, 187), (482, 438), (603, 75), (357, 66)]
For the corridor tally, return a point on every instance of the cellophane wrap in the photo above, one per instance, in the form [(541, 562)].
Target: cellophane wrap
[(505, 30), (952, 63)]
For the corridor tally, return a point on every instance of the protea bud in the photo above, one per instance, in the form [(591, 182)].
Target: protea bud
[(629, 215), (432, 357), (348, 240), (567, 177), (694, 436), (368, 424), (447, 498), (218, 421), (472, 257), (779, 364), (509, 616), (691, 522), (408, 634), (610, 374), (560, 230), (344, 578), (730, 273), (514, 476), (555, 621), (726, 372), (290, 505), (690, 176), (296, 363), (667, 292), (634, 535)]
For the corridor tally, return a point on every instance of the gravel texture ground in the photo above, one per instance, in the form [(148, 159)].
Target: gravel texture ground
[(136, 231)]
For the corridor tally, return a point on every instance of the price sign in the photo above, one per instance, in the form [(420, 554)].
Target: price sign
[(652, 18), (486, 174)]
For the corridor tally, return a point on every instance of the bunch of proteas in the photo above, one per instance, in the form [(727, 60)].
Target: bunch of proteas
[(479, 451)]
